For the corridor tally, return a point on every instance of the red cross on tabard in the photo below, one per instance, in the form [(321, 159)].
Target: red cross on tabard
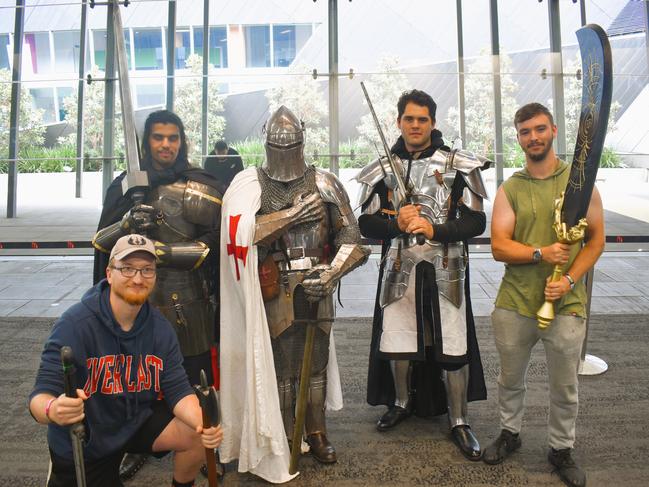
[(238, 251)]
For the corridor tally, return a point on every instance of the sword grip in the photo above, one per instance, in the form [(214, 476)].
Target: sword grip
[(69, 383)]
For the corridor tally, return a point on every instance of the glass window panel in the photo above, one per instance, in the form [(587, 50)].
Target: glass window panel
[(99, 40), (66, 51), (148, 49), (182, 47), (36, 49), (257, 41), (218, 45), (5, 55), (149, 95), (287, 42), (62, 93), (43, 98)]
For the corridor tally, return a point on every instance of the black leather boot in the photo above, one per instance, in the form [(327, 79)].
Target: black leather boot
[(131, 463), (392, 417), (466, 441)]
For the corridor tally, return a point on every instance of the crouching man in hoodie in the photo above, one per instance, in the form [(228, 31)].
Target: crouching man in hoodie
[(127, 358)]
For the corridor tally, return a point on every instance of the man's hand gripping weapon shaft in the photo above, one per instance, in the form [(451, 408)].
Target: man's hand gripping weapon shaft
[(77, 430), (210, 409)]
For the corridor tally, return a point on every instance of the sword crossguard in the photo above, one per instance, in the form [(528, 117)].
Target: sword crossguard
[(565, 235)]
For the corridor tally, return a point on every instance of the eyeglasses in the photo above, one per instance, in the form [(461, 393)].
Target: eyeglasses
[(147, 272)]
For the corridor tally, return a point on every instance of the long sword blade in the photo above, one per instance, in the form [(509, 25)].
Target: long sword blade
[(395, 170), (597, 69), (136, 180)]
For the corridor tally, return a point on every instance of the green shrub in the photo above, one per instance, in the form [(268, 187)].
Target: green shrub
[(610, 159), (251, 151)]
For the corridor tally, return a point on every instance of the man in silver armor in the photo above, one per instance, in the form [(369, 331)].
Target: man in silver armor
[(424, 356), (181, 214), (307, 239)]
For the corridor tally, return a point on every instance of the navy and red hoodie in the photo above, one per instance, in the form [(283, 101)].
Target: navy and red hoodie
[(122, 373)]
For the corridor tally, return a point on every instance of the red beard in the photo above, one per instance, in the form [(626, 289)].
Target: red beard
[(133, 297)]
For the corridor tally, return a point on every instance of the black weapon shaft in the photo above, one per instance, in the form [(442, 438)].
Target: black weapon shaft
[(210, 414), (77, 430)]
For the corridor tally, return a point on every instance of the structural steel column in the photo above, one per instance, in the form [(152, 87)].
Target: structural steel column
[(108, 164), (206, 64), (14, 114), (83, 35), (495, 67), (333, 86), (556, 68), (646, 30), (460, 69), (171, 51)]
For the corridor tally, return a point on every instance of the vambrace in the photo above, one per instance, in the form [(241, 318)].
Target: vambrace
[(105, 238), (184, 256), (271, 226), (348, 258)]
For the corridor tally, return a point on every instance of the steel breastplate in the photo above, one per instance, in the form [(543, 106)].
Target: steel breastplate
[(306, 243), (169, 199), (431, 184)]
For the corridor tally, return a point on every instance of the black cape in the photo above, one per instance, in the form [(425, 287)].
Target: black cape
[(429, 393)]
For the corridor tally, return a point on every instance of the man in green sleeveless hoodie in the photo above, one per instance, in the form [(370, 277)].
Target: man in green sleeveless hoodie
[(522, 237)]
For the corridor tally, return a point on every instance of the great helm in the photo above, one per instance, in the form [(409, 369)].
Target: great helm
[(284, 146)]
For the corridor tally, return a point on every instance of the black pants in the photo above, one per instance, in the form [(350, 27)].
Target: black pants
[(104, 472)]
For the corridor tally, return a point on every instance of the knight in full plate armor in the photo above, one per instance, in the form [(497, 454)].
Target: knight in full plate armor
[(181, 214), (308, 238), (424, 356)]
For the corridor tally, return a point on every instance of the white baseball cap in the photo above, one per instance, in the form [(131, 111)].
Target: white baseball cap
[(129, 244)]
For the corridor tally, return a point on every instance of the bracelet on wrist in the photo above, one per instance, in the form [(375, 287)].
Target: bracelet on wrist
[(571, 281), (48, 406)]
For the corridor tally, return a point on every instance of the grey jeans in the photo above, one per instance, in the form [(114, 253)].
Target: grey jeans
[(515, 336)]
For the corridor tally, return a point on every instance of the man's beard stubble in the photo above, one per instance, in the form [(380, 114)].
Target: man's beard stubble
[(540, 156)]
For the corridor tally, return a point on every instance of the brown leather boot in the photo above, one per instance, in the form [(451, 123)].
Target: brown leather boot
[(321, 449)]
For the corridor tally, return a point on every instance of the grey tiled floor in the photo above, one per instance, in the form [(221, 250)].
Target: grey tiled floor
[(47, 286)]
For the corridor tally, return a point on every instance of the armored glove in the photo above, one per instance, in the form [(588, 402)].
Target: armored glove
[(323, 279), (272, 226), (307, 209), (140, 219), (321, 282)]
